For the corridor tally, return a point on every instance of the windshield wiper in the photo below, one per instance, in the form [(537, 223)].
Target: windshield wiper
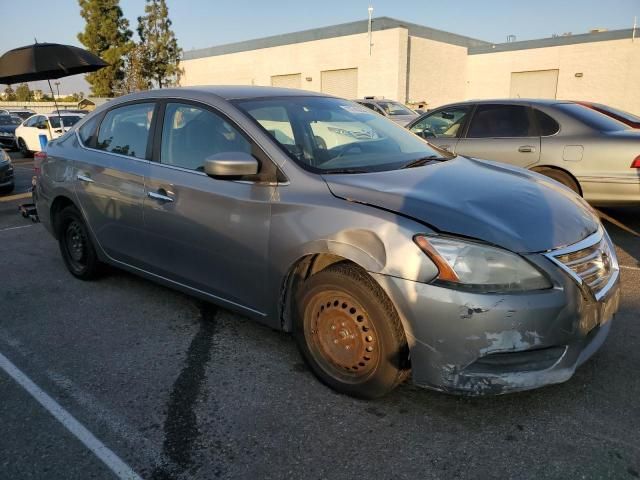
[(343, 170), (423, 161)]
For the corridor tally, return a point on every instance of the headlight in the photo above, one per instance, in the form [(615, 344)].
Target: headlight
[(481, 268)]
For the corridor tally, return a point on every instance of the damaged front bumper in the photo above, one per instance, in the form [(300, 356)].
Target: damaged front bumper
[(483, 344)]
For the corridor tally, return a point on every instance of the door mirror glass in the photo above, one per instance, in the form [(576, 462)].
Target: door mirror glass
[(230, 164)]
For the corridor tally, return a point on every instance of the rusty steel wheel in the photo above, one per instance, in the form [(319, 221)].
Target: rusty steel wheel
[(349, 332), (344, 337)]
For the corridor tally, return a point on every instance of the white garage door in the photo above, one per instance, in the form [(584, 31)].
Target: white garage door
[(286, 81), (534, 84), (341, 83)]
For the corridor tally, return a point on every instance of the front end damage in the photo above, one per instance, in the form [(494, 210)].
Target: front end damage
[(484, 344)]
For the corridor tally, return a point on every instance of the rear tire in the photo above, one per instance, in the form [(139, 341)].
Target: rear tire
[(349, 332), (76, 246), (22, 146), (561, 177)]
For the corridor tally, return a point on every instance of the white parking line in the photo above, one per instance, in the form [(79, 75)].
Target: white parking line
[(637, 269), (16, 228), (99, 449), (18, 196)]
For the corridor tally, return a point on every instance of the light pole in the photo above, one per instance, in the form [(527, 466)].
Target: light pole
[(370, 9), (58, 88)]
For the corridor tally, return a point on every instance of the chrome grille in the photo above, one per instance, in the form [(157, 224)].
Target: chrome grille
[(591, 262)]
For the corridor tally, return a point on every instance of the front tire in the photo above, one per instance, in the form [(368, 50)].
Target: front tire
[(349, 332), (76, 246)]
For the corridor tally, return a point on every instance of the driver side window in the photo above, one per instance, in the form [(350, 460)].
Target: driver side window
[(444, 123)]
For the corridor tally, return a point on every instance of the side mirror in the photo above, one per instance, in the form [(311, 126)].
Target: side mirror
[(230, 164)]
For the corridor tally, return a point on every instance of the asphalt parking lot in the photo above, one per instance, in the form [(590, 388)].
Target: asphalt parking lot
[(178, 389)]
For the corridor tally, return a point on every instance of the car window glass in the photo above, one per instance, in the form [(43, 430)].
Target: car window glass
[(190, 135), (125, 130), (591, 118), (87, 131), (394, 108), (501, 121), (442, 123), (546, 124), (340, 129), (67, 120), (275, 120)]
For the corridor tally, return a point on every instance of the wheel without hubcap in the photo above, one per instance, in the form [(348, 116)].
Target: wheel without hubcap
[(76, 246), (349, 332)]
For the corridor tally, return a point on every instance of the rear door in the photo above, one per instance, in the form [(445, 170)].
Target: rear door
[(210, 234), (502, 132), (443, 126), (35, 127), (110, 177)]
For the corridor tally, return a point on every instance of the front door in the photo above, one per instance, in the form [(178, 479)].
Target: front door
[(110, 175), (503, 133), (209, 234)]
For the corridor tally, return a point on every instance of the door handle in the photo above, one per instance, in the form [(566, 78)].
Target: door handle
[(84, 178), (161, 195), (527, 149)]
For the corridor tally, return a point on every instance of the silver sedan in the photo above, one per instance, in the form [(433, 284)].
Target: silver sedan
[(591, 153), (314, 215)]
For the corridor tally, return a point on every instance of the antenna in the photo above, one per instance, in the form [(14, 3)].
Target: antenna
[(370, 10)]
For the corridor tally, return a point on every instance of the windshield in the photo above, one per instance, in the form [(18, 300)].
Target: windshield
[(591, 118), (23, 115), (394, 108), (329, 135), (67, 120), (9, 120)]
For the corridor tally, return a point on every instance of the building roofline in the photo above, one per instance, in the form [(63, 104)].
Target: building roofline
[(553, 41), (340, 30)]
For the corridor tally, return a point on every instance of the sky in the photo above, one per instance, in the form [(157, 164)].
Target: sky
[(202, 23)]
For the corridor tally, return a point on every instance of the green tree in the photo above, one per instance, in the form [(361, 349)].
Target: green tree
[(161, 54), (106, 33), (135, 79), (9, 94), (23, 94)]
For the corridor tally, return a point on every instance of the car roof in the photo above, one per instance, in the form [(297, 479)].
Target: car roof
[(510, 101), (55, 114), (227, 92)]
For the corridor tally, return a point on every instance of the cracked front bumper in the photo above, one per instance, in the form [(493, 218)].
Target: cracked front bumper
[(479, 344)]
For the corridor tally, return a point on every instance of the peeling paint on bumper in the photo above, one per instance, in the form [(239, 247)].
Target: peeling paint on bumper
[(449, 331)]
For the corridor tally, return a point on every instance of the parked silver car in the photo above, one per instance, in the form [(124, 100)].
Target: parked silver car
[(395, 111), (591, 153), (314, 215)]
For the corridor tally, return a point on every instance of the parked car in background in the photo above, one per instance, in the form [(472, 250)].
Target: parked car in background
[(6, 173), (76, 111), (8, 125), (22, 113), (625, 117), (48, 124), (380, 254), (396, 111), (590, 153)]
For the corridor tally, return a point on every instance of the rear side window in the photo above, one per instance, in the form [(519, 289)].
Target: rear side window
[(191, 134), (87, 131), (501, 121), (547, 125), (125, 130)]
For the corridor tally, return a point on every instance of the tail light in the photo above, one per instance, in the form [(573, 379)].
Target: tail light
[(38, 158), (636, 162)]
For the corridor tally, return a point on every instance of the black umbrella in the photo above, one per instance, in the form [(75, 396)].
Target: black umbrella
[(46, 61)]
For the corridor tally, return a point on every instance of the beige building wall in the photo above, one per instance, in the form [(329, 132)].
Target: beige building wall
[(381, 74), (437, 72), (610, 72)]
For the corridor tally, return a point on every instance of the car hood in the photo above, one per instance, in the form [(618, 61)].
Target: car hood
[(8, 128), (503, 205)]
